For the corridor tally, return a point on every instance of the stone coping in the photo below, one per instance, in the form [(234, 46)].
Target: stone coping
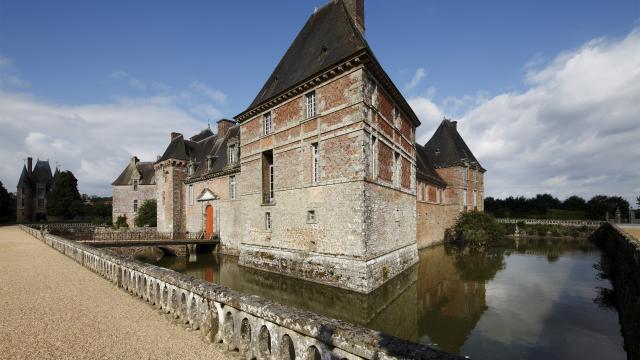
[(250, 324), (594, 223)]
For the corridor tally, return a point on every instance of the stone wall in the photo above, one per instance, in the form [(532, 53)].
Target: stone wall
[(432, 222), (256, 327), (590, 223), (621, 264), (123, 197)]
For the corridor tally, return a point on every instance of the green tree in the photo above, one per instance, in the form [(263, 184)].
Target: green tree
[(638, 201), (599, 205), (479, 231), (147, 214), (64, 200), (121, 221), (6, 204), (575, 203)]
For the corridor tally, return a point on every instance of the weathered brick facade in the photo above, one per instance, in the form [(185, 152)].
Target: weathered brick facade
[(135, 185), (323, 164)]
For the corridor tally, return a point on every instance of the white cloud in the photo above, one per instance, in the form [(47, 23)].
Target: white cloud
[(574, 130), (215, 95), (417, 78), (94, 141), (130, 80)]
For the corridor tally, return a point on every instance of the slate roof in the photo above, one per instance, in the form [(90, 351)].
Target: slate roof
[(145, 169), (424, 168), (199, 148), (41, 173), (328, 37), (447, 148)]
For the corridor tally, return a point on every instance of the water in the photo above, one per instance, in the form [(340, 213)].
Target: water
[(536, 300)]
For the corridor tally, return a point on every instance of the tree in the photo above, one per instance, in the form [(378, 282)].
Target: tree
[(599, 205), (147, 214), (638, 201), (574, 203), (7, 204), (121, 222), (64, 200)]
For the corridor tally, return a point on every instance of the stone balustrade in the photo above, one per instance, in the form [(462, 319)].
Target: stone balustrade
[(255, 327), (590, 223)]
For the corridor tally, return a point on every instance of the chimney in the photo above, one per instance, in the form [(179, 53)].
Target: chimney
[(356, 10), (134, 160), (29, 165), (224, 125), (175, 135), (455, 124)]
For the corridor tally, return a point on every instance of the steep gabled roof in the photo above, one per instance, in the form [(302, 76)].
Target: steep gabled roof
[(42, 172), (424, 168), (328, 37), (24, 180), (447, 148), (144, 169)]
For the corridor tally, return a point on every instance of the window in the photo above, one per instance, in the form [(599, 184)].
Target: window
[(190, 195), (372, 91), (210, 162), (374, 157), (192, 169), (135, 206), (311, 104), (396, 116), (232, 187), (163, 198), (266, 123), (475, 200), (464, 198), (311, 216), (396, 169), (23, 200), (40, 190), (41, 203), (135, 185), (267, 177), (465, 176), (475, 177), (267, 221), (233, 154), (315, 160)]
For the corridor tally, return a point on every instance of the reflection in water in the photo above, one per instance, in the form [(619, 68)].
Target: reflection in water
[(531, 300)]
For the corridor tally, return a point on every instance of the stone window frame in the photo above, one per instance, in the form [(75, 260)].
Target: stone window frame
[(190, 195), (396, 116), (232, 153), (374, 157), (310, 104), (135, 205), (312, 217), (267, 221), (267, 123), (136, 183), (475, 200), (372, 88), (464, 198)]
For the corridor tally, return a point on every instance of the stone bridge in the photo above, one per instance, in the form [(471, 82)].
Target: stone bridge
[(255, 327)]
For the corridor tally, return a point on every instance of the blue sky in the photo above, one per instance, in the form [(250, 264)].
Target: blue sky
[(206, 59)]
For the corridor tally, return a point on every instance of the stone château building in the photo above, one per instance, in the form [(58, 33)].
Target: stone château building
[(320, 177), (32, 189), (135, 185)]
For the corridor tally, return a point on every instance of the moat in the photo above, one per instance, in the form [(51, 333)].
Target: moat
[(540, 299)]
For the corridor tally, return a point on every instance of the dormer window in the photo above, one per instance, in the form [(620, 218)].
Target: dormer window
[(233, 154), (192, 169), (210, 163), (135, 185)]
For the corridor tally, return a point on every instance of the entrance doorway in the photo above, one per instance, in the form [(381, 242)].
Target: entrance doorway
[(209, 222)]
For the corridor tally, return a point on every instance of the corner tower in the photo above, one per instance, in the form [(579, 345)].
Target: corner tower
[(328, 161)]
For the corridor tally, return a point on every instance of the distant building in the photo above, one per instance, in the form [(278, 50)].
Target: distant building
[(33, 187), (132, 188)]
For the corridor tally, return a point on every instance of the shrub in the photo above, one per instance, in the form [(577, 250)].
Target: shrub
[(479, 230), (147, 214), (121, 221)]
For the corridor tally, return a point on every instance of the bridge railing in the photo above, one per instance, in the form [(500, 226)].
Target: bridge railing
[(256, 327), (590, 223)]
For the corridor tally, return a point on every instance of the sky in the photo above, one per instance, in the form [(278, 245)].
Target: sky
[(546, 92)]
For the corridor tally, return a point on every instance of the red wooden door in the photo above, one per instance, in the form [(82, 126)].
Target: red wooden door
[(209, 221)]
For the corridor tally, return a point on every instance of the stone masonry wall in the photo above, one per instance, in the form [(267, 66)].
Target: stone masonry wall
[(123, 197), (432, 221)]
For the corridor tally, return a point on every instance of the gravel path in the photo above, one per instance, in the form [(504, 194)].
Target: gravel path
[(53, 308)]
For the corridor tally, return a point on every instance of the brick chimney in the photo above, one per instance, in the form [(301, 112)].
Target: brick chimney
[(356, 10), (29, 165), (455, 124), (174, 135), (134, 160), (224, 125)]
